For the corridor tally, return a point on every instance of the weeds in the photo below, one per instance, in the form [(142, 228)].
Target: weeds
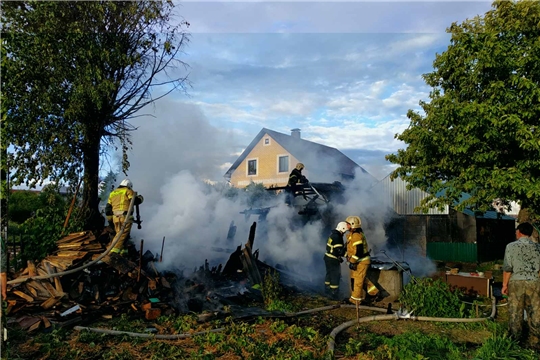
[(416, 346), (428, 297), (503, 347)]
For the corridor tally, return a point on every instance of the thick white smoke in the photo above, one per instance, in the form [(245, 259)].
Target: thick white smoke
[(172, 155)]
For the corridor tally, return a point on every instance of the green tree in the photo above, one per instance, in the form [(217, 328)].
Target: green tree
[(73, 74), (22, 205), (479, 133)]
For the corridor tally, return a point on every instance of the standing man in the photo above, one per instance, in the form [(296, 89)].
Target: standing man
[(358, 258), (522, 284), (333, 258), (117, 209)]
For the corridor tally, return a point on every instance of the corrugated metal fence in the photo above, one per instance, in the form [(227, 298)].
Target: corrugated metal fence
[(459, 252)]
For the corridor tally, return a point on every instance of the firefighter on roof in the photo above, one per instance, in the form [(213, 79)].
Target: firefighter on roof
[(358, 258)]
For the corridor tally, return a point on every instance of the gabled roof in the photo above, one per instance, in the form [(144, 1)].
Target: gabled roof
[(310, 153)]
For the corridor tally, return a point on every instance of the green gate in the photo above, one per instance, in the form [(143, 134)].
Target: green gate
[(459, 252)]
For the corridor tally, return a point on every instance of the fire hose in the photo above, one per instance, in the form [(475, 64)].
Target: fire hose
[(72, 271), (404, 315), (187, 335), (331, 343)]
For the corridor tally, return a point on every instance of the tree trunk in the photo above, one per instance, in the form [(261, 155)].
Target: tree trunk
[(527, 214), (94, 221)]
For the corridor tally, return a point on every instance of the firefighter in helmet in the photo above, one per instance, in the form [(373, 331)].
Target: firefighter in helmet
[(116, 211), (296, 177), (295, 183), (358, 258), (333, 258)]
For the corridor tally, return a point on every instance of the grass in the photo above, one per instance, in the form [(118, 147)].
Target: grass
[(300, 338)]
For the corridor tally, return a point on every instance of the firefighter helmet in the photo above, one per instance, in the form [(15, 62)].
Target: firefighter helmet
[(342, 227), (354, 221), (299, 166), (127, 183)]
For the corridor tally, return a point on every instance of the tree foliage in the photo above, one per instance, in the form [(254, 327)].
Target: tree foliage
[(74, 73), (22, 205), (479, 133)]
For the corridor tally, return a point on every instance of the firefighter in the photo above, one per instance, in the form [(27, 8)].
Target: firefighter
[(358, 258), (333, 258), (296, 177), (296, 181), (116, 212)]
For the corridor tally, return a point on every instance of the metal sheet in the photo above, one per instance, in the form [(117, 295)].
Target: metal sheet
[(459, 252), (404, 201)]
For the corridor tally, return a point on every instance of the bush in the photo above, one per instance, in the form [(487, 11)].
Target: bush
[(428, 297), (40, 232), (23, 204)]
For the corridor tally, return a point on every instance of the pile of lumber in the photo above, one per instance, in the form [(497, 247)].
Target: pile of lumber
[(72, 251), (42, 295)]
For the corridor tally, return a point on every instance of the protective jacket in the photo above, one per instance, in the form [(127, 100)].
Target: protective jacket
[(335, 247), (357, 246), (119, 200), (296, 177)]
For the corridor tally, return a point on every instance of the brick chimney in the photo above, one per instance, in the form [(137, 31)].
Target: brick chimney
[(295, 133)]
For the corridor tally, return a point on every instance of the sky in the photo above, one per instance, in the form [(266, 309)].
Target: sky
[(345, 73)]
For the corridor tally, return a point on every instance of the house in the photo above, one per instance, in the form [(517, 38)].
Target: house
[(447, 234), (271, 156)]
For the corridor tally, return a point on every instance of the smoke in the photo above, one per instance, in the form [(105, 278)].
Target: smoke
[(177, 150)]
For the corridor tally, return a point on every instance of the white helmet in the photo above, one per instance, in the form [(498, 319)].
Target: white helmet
[(127, 183), (342, 227)]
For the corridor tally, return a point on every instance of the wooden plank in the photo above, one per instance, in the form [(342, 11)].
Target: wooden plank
[(73, 237), (59, 265), (41, 271), (49, 303), (34, 326), (69, 246), (72, 253), (57, 282), (41, 290), (46, 322), (31, 268), (26, 322), (52, 290), (23, 295), (31, 290)]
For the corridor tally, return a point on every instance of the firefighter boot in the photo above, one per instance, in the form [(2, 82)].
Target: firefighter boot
[(334, 294), (327, 291)]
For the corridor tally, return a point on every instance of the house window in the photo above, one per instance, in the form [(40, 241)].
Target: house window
[(283, 163), (266, 141), (252, 167)]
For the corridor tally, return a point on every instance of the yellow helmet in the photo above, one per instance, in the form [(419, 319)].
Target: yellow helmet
[(354, 221), (299, 166)]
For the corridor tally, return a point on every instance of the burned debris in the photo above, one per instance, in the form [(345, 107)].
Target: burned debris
[(38, 298)]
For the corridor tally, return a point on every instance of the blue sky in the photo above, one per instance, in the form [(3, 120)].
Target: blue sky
[(345, 73)]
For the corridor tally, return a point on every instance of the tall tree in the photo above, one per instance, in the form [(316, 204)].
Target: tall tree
[(479, 133), (73, 74)]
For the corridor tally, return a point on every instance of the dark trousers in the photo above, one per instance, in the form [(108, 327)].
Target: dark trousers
[(333, 272)]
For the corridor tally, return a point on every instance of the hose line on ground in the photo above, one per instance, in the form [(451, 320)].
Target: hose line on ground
[(397, 316), (187, 335)]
